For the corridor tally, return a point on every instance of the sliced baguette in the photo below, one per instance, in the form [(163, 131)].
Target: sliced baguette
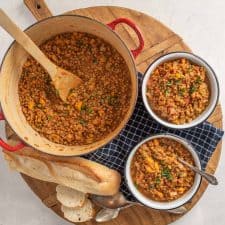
[(70, 197), (85, 213), (74, 172)]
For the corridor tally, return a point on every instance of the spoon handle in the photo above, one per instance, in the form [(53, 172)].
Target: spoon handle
[(24, 40), (106, 214), (179, 210), (210, 178)]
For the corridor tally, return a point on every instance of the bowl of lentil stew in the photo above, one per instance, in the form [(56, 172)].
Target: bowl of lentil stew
[(154, 175), (29, 101), (180, 90)]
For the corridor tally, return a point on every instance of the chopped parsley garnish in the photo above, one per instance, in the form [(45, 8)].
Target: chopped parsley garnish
[(136, 185), (195, 85), (181, 91), (157, 180), (178, 81), (198, 80), (82, 121), (166, 173), (112, 100), (87, 109), (169, 83), (190, 68), (167, 91), (49, 117), (193, 88)]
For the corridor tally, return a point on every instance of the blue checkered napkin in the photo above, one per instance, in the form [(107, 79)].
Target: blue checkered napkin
[(204, 138)]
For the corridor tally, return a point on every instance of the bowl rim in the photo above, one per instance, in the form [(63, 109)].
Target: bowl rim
[(181, 140), (178, 54), (64, 153)]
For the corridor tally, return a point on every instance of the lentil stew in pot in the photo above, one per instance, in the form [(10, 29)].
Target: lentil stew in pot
[(178, 91), (157, 173), (95, 108)]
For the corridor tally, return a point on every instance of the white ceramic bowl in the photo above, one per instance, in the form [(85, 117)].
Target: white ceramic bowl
[(163, 205), (214, 88)]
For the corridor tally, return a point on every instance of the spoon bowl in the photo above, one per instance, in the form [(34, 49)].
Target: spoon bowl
[(107, 214), (112, 202)]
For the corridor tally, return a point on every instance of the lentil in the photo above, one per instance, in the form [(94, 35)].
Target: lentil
[(95, 108)]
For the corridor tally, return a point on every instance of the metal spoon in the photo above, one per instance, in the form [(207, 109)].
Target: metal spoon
[(111, 206), (179, 210), (111, 210), (111, 202), (107, 214), (209, 177)]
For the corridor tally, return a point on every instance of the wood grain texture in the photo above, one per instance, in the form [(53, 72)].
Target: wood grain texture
[(158, 40), (38, 8)]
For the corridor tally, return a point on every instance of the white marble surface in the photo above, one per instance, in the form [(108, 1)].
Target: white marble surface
[(201, 24)]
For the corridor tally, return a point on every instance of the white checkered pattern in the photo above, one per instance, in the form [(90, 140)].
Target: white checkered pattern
[(204, 139)]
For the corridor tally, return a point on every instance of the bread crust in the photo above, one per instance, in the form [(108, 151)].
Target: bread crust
[(75, 172)]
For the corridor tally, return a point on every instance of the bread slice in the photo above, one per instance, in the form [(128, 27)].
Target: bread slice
[(74, 172), (70, 197), (85, 213)]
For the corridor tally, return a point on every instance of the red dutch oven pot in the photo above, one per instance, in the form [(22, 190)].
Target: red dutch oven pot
[(16, 56)]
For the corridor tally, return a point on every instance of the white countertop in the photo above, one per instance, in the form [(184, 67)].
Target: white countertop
[(201, 24)]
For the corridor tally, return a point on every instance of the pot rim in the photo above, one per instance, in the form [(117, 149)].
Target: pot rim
[(128, 117)]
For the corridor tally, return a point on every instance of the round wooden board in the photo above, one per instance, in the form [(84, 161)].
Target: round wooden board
[(158, 40)]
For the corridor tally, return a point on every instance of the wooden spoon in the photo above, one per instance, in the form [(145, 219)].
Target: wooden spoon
[(62, 79)]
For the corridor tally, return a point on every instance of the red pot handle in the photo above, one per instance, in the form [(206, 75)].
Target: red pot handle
[(138, 50), (5, 145)]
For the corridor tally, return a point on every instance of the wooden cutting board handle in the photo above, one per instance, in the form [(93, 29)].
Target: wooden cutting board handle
[(38, 8)]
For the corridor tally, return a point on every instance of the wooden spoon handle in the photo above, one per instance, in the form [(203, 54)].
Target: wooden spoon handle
[(27, 43)]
